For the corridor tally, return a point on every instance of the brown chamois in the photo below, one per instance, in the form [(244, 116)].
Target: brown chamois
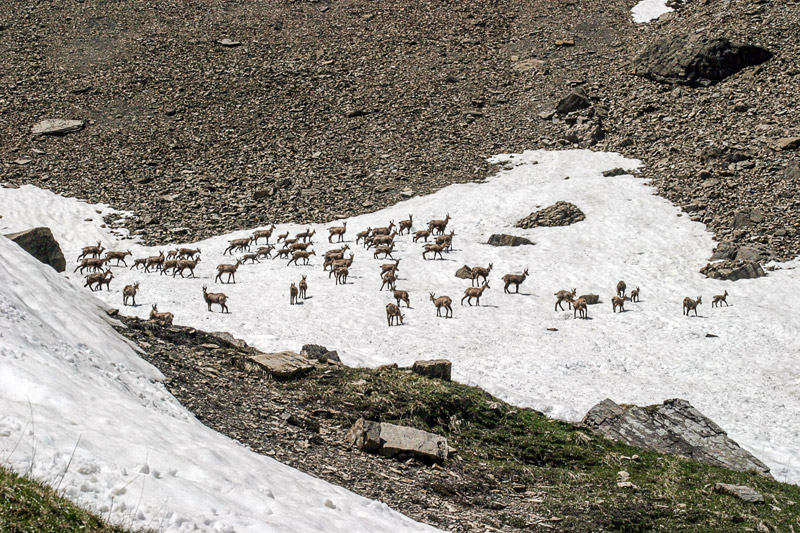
[(691, 305), (389, 279), (393, 314), (341, 275), (339, 263), (474, 292), (442, 302), (130, 292), (305, 235), (405, 225), (289, 242), (718, 299), (94, 251), (185, 264), (437, 226), (401, 296), (635, 295), (237, 245), (385, 250), (447, 240), (100, 279), (138, 262), (265, 251), (154, 261), (579, 307), (336, 253), (293, 294), (94, 264), (265, 233), (283, 253), (118, 256), (215, 298), (618, 301), (282, 237), (172, 254), (422, 234), (301, 254), (514, 279), (301, 245), (385, 230), (165, 319), (230, 270), (564, 296), (435, 249), (188, 253), (169, 264), (362, 235), (379, 240), (252, 257), (480, 272), (394, 267), (621, 288), (337, 231), (303, 287)]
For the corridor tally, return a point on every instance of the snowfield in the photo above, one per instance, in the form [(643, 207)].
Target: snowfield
[(647, 10), (746, 378)]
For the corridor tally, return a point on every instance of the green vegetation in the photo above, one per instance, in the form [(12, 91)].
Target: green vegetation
[(571, 471), (28, 506)]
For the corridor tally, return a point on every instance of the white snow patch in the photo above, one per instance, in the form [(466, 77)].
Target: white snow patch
[(746, 379), (648, 10), (80, 410)]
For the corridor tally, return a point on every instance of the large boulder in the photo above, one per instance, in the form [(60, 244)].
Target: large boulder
[(40, 243), (499, 239), (401, 442), (464, 272), (281, 365), (574, 101), (672, 427), (319, 353), (558, 214), (436, 368), (57, 126), (733, 270), (695, 60)]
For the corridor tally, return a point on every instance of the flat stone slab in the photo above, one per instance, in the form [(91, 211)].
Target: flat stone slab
[(57, 126), (743, 492), (391, 440), (436, 368), (282, 365)]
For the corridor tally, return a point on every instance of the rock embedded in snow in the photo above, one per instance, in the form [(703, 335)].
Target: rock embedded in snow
[(733, 270), (508, 240), (40, 243), (318, 353), (558, 214), (57, 126), (464, 272), (401, 442), (673, 427), (437, 368), (743, 492), (591, 299)]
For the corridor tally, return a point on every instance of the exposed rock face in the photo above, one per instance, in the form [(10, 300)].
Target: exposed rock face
[(743, 492), (390, 440), (696, 61), (499, 239), (282, 365), (437, 368), (673, 427), (464, 272), (733, 270), (40, 243), (577, 99), (57, 126), (558, 214), (319, 353)]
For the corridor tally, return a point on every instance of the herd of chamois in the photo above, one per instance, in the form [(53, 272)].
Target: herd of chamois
[(299, 248)]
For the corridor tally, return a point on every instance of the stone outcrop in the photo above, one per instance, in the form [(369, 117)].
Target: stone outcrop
[(733, 270), (57, 126), (508, 240), (321, 354), (673, 427), (437, 368), (40, 243), (743, 492), (281, 365), (401, 442), (574, 101), (464, 272), (591, 299), (558, 214), (696, 61)]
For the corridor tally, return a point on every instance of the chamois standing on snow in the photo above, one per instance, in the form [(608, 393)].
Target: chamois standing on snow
[(172, 254), (138, 262), (385, 250), (718, 299), (265, 233), (169, 264), (447, 240), (401, 296), (283, 253), (393, 267), (130, 292), (215, 298), (301, 245), (389, 279), (118, 256), (473, 292), (564, 296), (188, 253), (94, 251), (442, 302), (481, 272), (579, 306), (385, 230), (618, 301), (393, 314), (621, 287), (94, 264), (421, 234), (337, 231), (691, 305), (154, 261), (305, 235), (237, 245), (383, 239), (165, 319), (405, 225), (514, 279), (293, 294), (265, 252), (435, 249), (252, 257), (282, 237), (635, 295), (339, 263), (185, 264), (362, 235), (303, 287), (100, 279), (300, 254), (230, 270), (437, 226), (341, 274)]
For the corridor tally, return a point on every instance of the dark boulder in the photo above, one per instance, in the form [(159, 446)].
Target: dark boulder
[(508, 240), (40, 243)]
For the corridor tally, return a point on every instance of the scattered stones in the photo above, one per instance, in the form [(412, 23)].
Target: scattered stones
[(787, 143), (743, 492), (57, 126), (558, 214), (508, 240), (436, 368), (696, 60), (733, 270), (672, 427), (282, 365), (40, 243), (464, 272), (401, 442)]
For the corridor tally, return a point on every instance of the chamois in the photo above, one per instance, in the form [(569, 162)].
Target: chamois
[(442, 302), (293, 294), (289, 242), (188, 253), (514, 279), (119, 256), (422, 234), (437, 226), (283, 253), (282, 236), (94, 251), (335, 264), (564, 296), (447, 240), (393, 314), (165, 319), (184, 264), (579, 306), (394, 267), (237, 245), (300, 254), (130, 292), (689, 305), (385, 230), (481, 272), (621, 287), (405, 225), (230, 270), (301, 245), (389, 279), (215, 298), (169, 264), (618, 301), (435, 249), (305, 235), (341, 275), (337, 230), (154, 261), (265, 251), (303, 287), (265, 233), (635, 295), (385, 250), (100, 279), (172, 254), (95, 264), (362, 235), (715, 301), (473, 292), (383, 239), (252, 257), (138, 262)]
